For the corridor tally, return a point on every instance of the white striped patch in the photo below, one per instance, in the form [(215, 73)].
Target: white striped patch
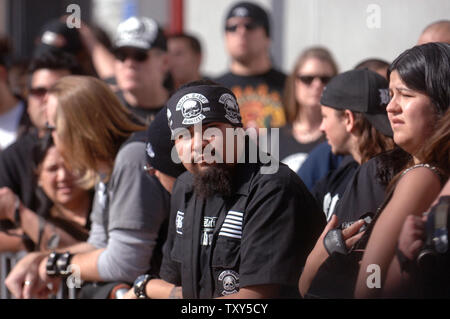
[(232, 225)]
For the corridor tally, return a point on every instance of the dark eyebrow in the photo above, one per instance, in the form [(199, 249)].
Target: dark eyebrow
[(403, 88)]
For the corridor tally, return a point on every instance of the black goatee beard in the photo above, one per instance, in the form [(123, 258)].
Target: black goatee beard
[(216, 179)]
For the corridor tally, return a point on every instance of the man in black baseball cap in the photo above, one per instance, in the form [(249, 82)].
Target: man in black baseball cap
[(362, 91), (250, 10), (356, 125), (258, 85), (233, 231), (159, 148), (141, 66), (55, 35)]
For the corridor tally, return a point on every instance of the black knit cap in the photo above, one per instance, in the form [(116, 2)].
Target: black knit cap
[(202, 103), (361, 91), (250, 10), (159, 147)]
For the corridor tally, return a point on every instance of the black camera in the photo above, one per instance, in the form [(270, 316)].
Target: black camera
[(435, 252)]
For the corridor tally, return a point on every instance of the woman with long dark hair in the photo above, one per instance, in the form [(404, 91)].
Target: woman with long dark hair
[(420, 95)]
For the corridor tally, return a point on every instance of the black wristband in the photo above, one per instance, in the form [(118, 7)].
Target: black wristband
[(58, 264), (51, 264), (62, 264)]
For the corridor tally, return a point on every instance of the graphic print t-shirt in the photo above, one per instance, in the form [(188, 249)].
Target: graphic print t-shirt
[(259, 97)]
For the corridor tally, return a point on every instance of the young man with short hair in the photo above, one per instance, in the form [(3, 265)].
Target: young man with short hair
[(141, 66)]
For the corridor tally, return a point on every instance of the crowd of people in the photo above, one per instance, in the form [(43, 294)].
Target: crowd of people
[(126, 169)]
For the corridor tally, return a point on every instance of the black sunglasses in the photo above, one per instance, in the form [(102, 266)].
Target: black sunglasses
[(136, 55), (249, 26), (308, 79), (38, 91)]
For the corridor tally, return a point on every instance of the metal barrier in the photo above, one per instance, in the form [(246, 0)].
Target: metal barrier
[(7, 262)]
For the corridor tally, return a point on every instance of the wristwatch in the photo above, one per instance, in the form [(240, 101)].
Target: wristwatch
[(139, 285)]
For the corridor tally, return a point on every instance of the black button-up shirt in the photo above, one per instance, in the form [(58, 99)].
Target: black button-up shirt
[(260, 235)]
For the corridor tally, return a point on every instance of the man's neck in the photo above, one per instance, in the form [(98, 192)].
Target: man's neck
[(355, 152), (146, 97), (259, 65), (309, 119)]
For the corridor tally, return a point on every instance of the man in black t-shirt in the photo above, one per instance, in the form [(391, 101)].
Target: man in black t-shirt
[(235, 229), (257, 85), (355, 123), (140, 67)]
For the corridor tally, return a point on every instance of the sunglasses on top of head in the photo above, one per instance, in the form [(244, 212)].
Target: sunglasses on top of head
[(249, 26), (308, 79), (136, 55)]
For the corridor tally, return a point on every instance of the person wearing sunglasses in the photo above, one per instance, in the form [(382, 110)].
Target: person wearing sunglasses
[(141, 66), (16, 162), (257, 85), (313, 69), (12, 109)]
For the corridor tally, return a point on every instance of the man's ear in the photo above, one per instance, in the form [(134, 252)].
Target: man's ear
[(349, 120)]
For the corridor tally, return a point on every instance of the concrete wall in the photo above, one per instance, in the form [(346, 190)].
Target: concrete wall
[(352, 29), (109, 13)]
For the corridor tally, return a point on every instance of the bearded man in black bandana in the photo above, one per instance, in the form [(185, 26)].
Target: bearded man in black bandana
[(236, 229)]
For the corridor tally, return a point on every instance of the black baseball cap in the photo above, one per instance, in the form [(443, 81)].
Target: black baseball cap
[(361, 91), (141, 33), (159, 147), (205, 103), (57, 35), (250, 10)]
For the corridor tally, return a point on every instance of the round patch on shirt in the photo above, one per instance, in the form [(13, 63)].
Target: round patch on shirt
[(230, 282)]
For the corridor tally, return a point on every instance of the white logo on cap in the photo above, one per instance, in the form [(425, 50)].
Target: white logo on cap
[(384, 96), (169, 118), (53, 39), (137, 32), (191, 106), (231, 108), (150, 151), (240, 12)]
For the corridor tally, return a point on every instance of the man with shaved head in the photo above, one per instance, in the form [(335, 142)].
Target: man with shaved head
[(438, 31)]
